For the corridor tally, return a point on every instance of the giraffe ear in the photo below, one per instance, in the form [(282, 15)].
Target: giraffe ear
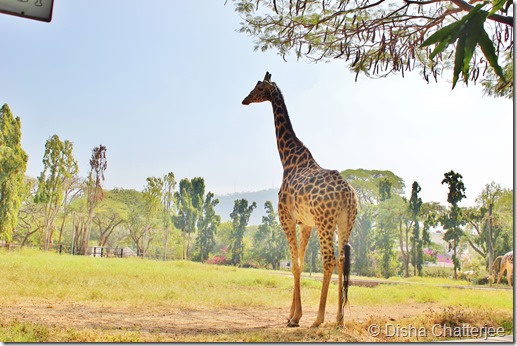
[(267, 77)]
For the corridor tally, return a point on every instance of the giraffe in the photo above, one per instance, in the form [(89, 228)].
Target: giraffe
[(506, 264), (309, 196)]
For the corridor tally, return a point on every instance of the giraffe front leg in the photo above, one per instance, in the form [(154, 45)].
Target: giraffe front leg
[(296, 305), (304, 239)]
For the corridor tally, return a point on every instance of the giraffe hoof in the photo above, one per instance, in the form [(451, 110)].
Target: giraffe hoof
[(292, 324), (316, 324)]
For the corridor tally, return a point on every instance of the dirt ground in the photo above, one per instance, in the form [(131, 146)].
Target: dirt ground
[(161, 324)]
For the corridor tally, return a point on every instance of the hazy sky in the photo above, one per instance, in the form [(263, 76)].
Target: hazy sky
[(160, 83)]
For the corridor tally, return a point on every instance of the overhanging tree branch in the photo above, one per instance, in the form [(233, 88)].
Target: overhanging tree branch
[(508, 20), (378, 38)]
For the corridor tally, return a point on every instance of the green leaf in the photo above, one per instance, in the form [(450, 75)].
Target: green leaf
[(458, 59), (439, 48), (473, 32), (489, 51), (448, 34), (442, 34), (498, 4)]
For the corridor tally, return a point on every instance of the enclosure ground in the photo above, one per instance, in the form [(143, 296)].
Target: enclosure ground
[(183, 324), (57, 298), (75, 322)]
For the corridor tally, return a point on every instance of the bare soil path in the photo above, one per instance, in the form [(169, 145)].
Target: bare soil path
[(178, 324)]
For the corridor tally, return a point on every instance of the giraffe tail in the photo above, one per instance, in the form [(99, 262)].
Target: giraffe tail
[(346, 274)]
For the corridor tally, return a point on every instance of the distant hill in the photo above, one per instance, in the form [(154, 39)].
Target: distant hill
[(226, 203)]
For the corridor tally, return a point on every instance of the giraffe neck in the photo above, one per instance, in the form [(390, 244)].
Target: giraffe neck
[(292, 151)]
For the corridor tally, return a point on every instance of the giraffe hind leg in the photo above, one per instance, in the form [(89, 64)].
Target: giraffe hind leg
[(345, 224), (326, 235)]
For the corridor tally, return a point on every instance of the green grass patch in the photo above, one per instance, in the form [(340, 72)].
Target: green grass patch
[(30, 274), (15, 331), (134, 282), (28, 332), (383, 295)]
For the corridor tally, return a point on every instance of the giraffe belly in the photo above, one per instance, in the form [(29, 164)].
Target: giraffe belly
[(303, 215)]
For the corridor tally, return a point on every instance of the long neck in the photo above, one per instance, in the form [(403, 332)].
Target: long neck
[(291, 149)]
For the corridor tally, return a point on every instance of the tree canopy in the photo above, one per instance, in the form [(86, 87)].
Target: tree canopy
[(54, 182), (13, 163), (378, 37)]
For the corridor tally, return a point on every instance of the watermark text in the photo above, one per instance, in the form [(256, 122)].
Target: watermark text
[(436, 330)]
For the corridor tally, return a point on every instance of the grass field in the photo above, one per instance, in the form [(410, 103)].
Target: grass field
[(51, 298)]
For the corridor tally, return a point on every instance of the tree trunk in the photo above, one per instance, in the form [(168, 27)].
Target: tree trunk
[(490, 247), (165, 241), (65, 214), (27, 236), (454, 263), (404, 254)]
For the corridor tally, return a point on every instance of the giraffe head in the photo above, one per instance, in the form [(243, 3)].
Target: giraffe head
[(262, 91)]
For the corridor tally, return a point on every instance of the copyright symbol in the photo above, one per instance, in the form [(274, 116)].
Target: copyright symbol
[(374, 330)]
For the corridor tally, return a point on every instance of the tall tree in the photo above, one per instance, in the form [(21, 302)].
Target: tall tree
[(133, 218), (405, 224), (13, 163), (454, 219), (384, 189), (240, 217), (367, 185), (207, 227), (269, 242), (490, 223), (109, 214), (30, 216), (152, 209), (417, 248), (54, 183), (379, 39), (189, 205), (72, 191), (386, 224), (94, 194), (169, 184)]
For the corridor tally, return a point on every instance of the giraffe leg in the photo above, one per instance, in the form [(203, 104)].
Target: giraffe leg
[(500, 276), (345, 224), (305, 235), (509, 275), (329, 262), (296, 305)]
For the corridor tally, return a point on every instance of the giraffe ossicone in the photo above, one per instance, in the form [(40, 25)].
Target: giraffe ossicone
[(310, 196)]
